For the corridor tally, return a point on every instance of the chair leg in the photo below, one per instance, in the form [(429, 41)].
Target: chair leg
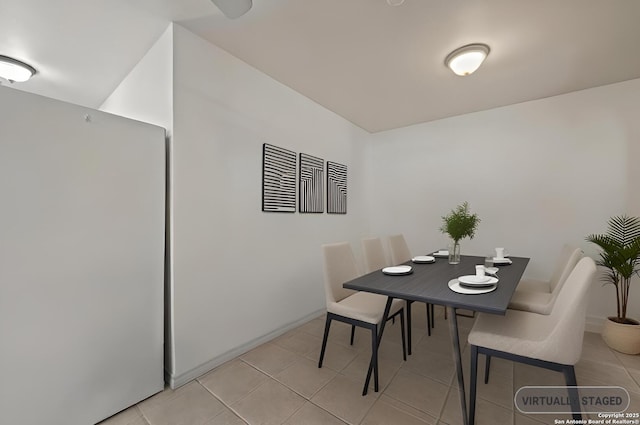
[(429, 308), (327, 325), (409, 327), (353, 333), (374, 360), (374, 347), (433, 317), (570, 378), (404, 342), (487, 365), (473, 383), (445, 314)]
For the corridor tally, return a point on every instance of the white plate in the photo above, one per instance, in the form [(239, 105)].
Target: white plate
[(473, 280), (397, 270), (441, 254), (423, 259), (455, 286), (492, 270), (497, 260)]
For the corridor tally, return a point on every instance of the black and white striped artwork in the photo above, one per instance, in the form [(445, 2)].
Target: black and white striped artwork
[(336, 188), (278, 179), (311, 184)]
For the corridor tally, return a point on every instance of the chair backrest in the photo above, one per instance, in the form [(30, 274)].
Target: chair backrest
[(339, 267), (567, 319), (569, 257), (374, 256), (399, 250)]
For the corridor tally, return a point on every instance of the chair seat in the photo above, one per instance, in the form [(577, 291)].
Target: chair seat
[(364, 306), (535, 302), (523, 333), (534, 285)]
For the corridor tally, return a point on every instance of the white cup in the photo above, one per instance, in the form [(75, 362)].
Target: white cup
[(480, 271), (499, 252)]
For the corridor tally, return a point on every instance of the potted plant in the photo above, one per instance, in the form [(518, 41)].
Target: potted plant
[(621, 257), (459, 224)]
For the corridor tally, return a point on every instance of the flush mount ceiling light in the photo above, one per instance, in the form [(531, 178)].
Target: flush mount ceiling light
[(15, 71), (395, 2), (233, 9), (467, 59)]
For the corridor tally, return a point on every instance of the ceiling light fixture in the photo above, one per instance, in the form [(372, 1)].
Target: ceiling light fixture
[(15, 71), (395, 2), (233, 9), (467, 59)]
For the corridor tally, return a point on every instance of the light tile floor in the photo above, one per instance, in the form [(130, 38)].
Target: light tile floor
[(279, 382)]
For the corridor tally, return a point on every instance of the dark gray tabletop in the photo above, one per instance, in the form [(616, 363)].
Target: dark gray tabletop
[(428, 283)]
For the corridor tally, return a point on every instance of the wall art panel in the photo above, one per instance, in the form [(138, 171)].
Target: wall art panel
[(336, 188), (278, 179), (311, 184)]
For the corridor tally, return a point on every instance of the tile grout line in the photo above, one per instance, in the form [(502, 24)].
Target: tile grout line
[(382, 390), (224, 403), (444, 404), (292, 389), (142, 413)]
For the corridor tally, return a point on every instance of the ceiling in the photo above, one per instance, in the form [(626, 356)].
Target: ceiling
[(379, 66)]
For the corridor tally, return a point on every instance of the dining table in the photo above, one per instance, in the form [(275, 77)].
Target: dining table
[(430, 283)]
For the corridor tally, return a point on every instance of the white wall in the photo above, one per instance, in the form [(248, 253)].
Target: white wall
[(237, 276), (539, 174), (239, 273), (146, 94), (81, 261)]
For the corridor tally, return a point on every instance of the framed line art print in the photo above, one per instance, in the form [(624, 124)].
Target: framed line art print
[(311, 184), (336, 188), (278, 179)]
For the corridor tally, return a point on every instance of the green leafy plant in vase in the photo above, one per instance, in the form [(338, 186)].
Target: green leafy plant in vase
[(459, 224), (620, 256)]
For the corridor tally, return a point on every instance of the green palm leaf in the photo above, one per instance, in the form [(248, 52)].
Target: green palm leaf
[(620, 254), (624, 229)]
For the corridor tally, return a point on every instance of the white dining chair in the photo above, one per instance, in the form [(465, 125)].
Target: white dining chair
[(539, 296), (552, 341), (400, 253), (374, 256), (399, 249), (374, 259), (362, 309)]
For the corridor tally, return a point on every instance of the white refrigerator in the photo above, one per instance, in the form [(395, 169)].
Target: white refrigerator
[(82, 241)]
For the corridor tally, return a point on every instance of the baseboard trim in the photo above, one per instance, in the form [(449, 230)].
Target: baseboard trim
[(184, 378)]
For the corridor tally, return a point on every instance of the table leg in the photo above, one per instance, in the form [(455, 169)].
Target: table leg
[(409, 326), (385, 316), (457, 358)]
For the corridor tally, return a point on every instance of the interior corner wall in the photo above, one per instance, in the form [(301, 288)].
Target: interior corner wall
[(146, 94), (539, 174), (242, 275)]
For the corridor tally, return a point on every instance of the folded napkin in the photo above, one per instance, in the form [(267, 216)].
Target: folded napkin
[(497, 260)]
